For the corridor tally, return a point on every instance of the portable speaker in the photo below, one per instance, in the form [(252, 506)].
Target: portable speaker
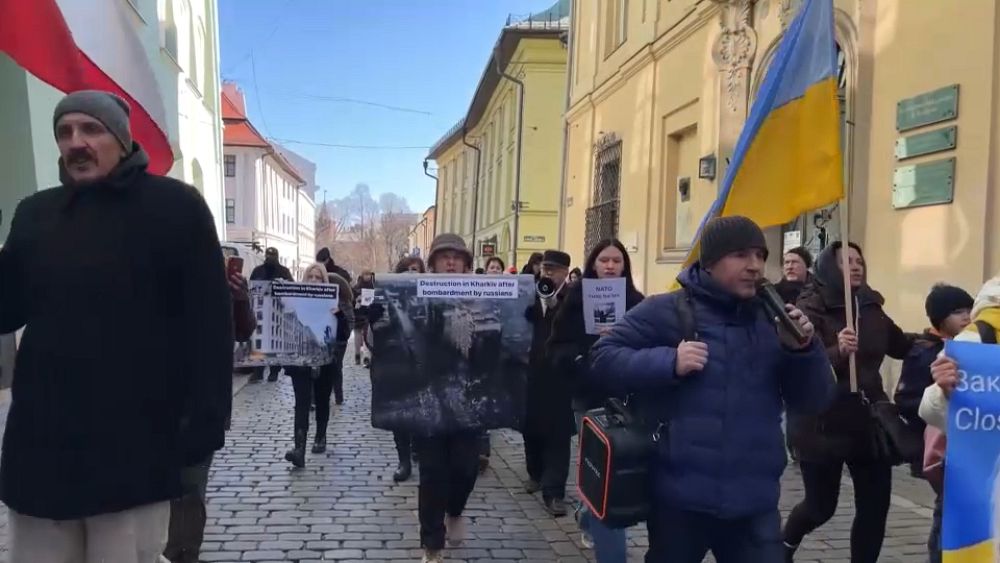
[(613, 469)]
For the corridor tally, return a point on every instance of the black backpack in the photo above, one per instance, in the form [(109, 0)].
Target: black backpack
[(616, 446)]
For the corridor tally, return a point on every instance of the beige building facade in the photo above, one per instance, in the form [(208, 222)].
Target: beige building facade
[(659, 91)]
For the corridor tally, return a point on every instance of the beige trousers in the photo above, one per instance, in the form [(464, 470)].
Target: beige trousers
[(131, 536)]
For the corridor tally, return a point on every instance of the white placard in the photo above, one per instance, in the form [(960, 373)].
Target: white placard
[(603, 303), (793, 239), (467, 287), (367, 296)]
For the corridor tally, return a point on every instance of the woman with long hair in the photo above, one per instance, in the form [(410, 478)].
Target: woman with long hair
[(534, 264), (845, 433), (569, 347), (316, 385), (365, 281), (404, 442), (495, 265)]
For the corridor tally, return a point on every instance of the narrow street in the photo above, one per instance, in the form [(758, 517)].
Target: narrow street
[(344, 506)]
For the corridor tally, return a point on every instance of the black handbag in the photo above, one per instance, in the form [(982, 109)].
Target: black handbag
[(892, 438)]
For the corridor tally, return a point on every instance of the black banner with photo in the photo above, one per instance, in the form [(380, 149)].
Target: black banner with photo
[(450, 352)]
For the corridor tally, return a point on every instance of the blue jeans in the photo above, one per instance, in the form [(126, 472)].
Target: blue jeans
[(609, 544)]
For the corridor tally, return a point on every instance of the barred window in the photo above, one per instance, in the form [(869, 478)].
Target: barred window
[(602, 215)]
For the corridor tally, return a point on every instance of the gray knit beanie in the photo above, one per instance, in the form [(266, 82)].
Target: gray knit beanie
[(725, 235), (105, 107)]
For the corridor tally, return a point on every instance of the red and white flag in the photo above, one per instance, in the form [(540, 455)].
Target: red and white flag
[(89, 45)]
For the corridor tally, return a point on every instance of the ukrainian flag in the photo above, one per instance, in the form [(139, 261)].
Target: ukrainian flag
[(788, 158)]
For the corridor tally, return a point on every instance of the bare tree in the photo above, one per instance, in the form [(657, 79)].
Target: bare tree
[(365, 233)]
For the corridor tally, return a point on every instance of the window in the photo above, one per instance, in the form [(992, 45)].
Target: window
[(602, 215), (230, 211), (230, 163), (168, 28), (616, 22), (260, 315), (258, 344)]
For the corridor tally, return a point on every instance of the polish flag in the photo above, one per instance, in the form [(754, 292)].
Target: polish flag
[(89, 45)]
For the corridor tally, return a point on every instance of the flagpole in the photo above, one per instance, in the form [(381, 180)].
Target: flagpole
[(845, 238)]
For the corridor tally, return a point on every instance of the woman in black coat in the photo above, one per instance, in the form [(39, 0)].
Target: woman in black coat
[(844, 434), (315, 385), (568, 348)]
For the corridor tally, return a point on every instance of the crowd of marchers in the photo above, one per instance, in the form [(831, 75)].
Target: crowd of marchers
[(107, 451)]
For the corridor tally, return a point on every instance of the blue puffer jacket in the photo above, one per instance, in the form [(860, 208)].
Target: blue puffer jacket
[(721, 450)]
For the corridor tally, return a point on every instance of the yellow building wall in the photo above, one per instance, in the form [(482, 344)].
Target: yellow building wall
[(917, 47), (541, 65), (659, 93)]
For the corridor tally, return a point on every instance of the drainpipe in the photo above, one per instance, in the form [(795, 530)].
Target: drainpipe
[(520, 149), (436, 208), (563, 188), (475, 187)]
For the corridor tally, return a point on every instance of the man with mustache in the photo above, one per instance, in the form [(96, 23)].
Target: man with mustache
[(124, 372)]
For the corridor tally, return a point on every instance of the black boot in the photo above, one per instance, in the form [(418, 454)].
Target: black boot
[(357, 359), (319, 444), (403, 472), (297, 455)]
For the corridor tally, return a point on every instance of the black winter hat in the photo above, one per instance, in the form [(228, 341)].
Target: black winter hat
[(725, 235), (556, 258), (943, 300)]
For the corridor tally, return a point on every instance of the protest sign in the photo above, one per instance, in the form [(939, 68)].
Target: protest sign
[(296, 325), (603, 303), (971, 526), (367, 296), (449, 352)]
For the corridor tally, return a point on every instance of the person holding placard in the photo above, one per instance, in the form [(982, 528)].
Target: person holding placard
[(449, 463), (366, 283), (315, 385), (404, 442), (569, 350)]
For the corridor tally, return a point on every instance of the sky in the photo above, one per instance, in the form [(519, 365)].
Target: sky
[(299, 61)]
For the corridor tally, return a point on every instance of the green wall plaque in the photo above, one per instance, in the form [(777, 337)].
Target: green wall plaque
[(925, 109), (926, 143), (928, 183)]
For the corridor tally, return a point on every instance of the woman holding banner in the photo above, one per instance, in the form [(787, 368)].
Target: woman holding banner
[(404, 442), (845, 433), (569, 348), (310, 386)]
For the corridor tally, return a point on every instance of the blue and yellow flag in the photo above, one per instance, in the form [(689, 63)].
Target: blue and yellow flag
[(788, 159)]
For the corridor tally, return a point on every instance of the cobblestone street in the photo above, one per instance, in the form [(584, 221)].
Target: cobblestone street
[(344, 506)]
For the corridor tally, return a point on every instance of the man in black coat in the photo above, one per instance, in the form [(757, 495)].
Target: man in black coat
[(124, 372), (270, 270), (549, 424), (325, 258)]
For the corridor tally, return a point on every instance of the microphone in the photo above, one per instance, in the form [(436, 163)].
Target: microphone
[(775, 307)]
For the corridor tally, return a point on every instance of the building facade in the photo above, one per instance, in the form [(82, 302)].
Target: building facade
[(422, 234), (499, 168), (306, 205), (180, 38), (262, 188), (659, 91)]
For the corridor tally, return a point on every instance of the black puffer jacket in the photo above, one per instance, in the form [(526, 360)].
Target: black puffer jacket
[(569, 347), (844, 431), (115, 355)]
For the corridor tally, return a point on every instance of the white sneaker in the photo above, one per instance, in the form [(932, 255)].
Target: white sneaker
[(431, 556), (455, 526), (586, 540)]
